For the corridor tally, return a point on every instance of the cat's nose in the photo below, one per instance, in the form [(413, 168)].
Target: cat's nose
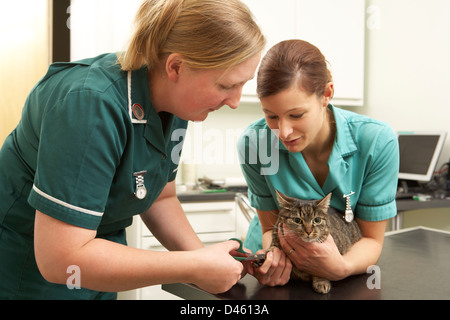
[(308, 232)]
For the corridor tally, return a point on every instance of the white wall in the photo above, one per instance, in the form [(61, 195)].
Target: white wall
[(220, 133), (408, 76), (407, 69), (100, 26), (407, 66)]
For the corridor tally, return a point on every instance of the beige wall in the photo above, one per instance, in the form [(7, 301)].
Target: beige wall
[(24, 56)]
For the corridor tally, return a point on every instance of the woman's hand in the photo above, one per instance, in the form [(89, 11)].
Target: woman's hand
[(320, 259), (276, 270), (216, 270)]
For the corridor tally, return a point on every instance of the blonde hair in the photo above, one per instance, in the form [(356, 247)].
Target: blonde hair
[(207, 33)]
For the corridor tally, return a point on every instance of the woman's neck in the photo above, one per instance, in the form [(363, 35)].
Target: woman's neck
[(157, 85), (321, 148)]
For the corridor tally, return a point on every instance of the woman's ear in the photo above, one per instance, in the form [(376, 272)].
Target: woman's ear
[(173, 66), (328, 93)]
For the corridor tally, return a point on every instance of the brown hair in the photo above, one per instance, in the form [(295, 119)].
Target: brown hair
[(293, 62), (207, 33)]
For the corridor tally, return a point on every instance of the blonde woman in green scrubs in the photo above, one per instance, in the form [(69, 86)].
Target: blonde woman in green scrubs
[(94, 148), (320, 149)]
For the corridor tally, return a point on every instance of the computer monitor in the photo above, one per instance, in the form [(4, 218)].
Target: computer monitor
[(419, 153)]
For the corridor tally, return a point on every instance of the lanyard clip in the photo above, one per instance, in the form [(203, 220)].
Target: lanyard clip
[(348, 217)]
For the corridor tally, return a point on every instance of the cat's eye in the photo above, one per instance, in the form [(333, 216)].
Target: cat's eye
[(317, 220), (297, 220)]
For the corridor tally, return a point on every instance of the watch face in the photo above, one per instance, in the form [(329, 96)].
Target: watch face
[(349, 217), (141, 193)]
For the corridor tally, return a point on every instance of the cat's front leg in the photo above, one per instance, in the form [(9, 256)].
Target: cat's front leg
[(321, 285)]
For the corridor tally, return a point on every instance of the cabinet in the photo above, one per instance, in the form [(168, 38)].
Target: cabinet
[(336, 27), (277, 22), (213, 221)]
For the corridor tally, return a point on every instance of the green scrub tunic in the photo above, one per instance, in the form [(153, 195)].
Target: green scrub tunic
[(87, 127), (364, 160)]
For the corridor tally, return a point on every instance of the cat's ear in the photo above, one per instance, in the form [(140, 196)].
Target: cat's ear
[(283, 200), (325, 203)]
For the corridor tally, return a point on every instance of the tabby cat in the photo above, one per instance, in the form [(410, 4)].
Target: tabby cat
[(314, 220)]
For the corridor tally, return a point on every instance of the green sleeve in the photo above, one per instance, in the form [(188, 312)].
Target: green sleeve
[(81, 141)]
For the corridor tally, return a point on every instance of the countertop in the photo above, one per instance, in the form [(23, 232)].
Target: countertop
[(414, 264), (202, 196)]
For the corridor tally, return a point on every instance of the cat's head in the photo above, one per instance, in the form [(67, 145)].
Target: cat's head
[(306, 218)]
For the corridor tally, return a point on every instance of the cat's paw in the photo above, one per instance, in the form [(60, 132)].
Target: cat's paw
[(258, 263), (321, 285)]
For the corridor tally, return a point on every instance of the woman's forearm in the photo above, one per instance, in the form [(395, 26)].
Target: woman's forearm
[(363, 254), (110, 267), (107, 266), (267, 240), (100, 264), (367, 251)]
